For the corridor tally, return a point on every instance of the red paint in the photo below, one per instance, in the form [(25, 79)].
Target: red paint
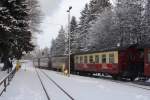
[(120, 67), (146, 63), (108, 68)]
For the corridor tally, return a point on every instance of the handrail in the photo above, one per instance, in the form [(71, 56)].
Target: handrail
[(6, 80)]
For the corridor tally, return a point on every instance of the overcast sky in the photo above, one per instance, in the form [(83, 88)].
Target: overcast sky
[(55, 15)]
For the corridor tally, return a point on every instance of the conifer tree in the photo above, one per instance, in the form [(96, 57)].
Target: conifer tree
[(17, 31), (73, 35)]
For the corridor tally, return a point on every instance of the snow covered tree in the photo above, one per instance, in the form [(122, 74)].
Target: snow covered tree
[(73, 35), (5, 29), (53, 48), (18, 16), (59, 44), (96, 7), (97, 11), (83, 28), (129, 21), (103, 34), (146, 25)]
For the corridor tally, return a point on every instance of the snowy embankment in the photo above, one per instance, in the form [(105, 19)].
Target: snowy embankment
[(84, 88)]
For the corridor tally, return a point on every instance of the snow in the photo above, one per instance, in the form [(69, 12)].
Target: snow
[(148, 81), (84, 88), (54, 92), (26, 86)]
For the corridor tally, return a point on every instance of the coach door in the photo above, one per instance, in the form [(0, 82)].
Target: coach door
[(135, 61), (147, 62)]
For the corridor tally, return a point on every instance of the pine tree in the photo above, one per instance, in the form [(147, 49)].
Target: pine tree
[(73, 35), (83, 29), (59, 44), (18, 32), (96, 7), (129, 21), (146, 23), (102, 32), (53, 48), (97, 11)]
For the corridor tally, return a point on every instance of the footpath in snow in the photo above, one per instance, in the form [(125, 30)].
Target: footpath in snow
[(25, 85)]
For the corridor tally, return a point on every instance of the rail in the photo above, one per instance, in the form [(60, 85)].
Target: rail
[(48, 97), (65, 92), (6, 80)]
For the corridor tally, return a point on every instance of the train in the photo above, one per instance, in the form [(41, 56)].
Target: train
[(128, 63), (42, 62), (124, 63)]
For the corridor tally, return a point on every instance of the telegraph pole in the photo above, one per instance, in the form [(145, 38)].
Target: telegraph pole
[(69, 39)]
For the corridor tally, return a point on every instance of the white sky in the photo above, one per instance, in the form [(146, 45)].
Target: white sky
[(55, 16)]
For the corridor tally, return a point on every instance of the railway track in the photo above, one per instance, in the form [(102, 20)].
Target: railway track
[(54, 83), (48, 97)]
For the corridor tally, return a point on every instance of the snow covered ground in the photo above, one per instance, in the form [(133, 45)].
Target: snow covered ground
[(26, 86), (84, 88)]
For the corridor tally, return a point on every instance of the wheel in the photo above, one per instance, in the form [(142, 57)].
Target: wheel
[(114, 77), (132, 78)]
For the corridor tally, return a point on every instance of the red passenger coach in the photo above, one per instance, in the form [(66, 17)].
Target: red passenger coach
[(147, 63), (126, 62)]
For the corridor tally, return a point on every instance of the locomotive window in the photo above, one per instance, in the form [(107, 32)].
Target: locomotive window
[(81, 59), (91, 59), (103, 58), (96, 58), (111, 58), (85, 59)]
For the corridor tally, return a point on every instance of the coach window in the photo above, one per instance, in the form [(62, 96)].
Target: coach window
[(81, 59), (85, 59), (148, 57), (77, 59), (91, 59), (96, 58), (111, 58), (104, 58)]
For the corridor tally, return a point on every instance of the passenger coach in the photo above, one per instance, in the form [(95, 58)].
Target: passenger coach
[(119, 63), (58, 62)]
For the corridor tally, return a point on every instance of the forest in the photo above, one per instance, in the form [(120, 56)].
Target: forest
[(104, 26)]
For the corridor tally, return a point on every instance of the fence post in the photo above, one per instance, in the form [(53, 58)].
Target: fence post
[(5, 85)]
